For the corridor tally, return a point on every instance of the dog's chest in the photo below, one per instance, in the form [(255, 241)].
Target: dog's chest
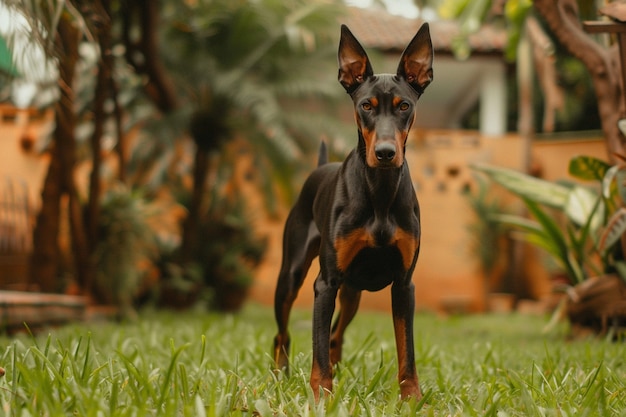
[(375, 250)]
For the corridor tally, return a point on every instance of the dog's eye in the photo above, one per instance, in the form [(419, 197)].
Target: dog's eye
[(404, 106), (367, 106)]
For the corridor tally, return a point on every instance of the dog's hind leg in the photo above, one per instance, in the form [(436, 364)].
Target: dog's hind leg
[(301, 243)]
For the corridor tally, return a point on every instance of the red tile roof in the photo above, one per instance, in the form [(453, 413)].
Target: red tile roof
[(375, 28)]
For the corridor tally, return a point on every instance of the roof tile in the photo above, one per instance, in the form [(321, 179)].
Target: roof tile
[(376, 28)]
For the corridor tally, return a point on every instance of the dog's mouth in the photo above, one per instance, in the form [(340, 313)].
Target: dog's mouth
[(385, 165), (384, 156)]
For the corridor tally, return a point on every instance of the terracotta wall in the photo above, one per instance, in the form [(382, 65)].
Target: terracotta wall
[(21, 136), (21, 175)]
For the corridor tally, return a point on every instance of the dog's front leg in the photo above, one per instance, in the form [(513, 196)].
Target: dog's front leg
[(323, 309), (403, 306)]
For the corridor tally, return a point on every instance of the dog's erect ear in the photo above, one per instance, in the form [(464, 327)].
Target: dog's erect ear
[(416, 63), (354, 65)]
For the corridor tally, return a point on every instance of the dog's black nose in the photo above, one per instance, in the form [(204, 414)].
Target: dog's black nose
[(385, 151)]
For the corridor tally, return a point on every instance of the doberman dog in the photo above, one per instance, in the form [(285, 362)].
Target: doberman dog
[(361, 217)]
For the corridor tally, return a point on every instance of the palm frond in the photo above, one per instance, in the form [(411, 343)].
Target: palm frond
[(31, 35)]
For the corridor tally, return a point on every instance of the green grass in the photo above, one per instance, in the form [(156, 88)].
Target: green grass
[(196, 364)]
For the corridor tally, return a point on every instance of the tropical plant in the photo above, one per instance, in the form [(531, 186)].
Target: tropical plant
[(612, 179), (218, 271), (487, 231), (244, 64), (585, 223), (126, 240), (238, 67), (228, 257), (216, 70), (286, 53), (489, 236), (61, 31)]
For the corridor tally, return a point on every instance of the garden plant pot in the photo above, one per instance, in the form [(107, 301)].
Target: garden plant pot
[(597, 305)]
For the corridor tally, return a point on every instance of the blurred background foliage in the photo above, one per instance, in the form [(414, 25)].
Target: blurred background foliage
[(579, 105), (169, 95), (186, 79)]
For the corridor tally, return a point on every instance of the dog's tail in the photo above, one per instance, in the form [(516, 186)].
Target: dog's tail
[(322, 157)]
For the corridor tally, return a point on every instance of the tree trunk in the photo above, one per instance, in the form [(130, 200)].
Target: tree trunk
[(120, 148), (159, 87), (46, 254), (80, 245), (603, 64), (102, 92), (190, 237), (99, 116)]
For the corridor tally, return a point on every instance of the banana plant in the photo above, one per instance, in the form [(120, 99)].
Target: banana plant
[(577, 225)]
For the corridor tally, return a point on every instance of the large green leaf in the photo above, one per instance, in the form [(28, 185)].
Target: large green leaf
[(527, 187), (620, 177), (584, 206), (554, 232), (548, 224), (615, 228), (588, 168), (607, 181), (575, 269), (533, 233), (529, 231)]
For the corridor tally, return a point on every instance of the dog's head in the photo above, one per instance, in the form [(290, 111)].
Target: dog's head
[(384, 104)]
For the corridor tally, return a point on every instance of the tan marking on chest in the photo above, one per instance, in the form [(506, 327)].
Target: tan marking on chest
[(407, 244), (347, 247)]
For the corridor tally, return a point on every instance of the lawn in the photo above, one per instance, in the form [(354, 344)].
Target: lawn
[(197, 364)]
